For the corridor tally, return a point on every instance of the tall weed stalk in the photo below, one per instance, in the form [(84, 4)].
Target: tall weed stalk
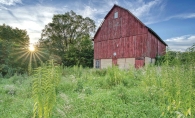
[(46, 79)]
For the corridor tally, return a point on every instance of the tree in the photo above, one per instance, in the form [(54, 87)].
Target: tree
[(64, 31), (12, 41), (80, 53)]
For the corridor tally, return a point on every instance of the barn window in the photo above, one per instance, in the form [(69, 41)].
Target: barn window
[(116, 15), (97, 63)]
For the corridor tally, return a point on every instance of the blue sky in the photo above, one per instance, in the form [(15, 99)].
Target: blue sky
[(172, 20)]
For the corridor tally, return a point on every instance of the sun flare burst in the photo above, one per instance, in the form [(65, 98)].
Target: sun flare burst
[(32, 55), (31, 48)]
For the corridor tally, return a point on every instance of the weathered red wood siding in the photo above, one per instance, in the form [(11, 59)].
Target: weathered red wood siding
[(154, 46), (127, 36)]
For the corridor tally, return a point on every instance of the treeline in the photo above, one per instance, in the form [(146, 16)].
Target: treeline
[(66, 40), (172, 58)]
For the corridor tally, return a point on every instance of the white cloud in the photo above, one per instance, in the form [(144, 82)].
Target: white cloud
[(140, 8), (190, 16), (31, 18), (149, 12), (180, 43), (181, 16), (10, 2), (92, 10), (3, 8), (87, 12), (111, 2)]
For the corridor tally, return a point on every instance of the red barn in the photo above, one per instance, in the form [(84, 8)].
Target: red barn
[(123, 40)]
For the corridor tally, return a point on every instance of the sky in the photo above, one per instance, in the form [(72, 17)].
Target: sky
[(172, 20)]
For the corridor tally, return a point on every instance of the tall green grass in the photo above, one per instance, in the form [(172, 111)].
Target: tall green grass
[(171, 85), (165, 90), (172, 89)]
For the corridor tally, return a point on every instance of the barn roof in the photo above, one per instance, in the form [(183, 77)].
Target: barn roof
[(149, 29)]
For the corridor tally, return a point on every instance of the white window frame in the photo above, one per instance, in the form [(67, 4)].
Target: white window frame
[(116, 14)]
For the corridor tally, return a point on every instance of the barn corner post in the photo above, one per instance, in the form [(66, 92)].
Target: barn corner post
[(123, 40)]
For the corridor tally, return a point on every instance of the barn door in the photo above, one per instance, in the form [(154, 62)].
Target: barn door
[(139, 62), (114, 61)]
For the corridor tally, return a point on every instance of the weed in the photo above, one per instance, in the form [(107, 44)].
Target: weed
[(45, 81)]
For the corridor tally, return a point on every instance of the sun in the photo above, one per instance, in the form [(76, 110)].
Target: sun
[(31, 48)]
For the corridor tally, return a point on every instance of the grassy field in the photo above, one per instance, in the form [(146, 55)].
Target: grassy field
[(150, 92)]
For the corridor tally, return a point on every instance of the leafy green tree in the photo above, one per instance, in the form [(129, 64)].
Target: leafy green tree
[(80, 53), (12, 41), (64, 31)]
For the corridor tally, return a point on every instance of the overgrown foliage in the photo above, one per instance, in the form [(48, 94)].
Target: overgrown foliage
[(45, 81)]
